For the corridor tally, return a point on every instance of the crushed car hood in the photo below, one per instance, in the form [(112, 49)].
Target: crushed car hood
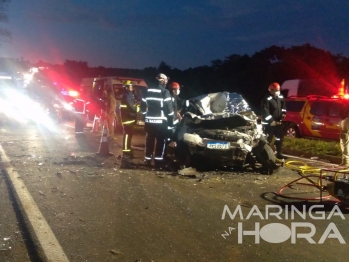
[(223, 116)]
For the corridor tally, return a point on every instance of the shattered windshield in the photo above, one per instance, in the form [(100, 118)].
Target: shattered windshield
[(236, 104), (221, 102)]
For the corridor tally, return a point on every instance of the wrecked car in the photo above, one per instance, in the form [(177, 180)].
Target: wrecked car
[(221, 130)]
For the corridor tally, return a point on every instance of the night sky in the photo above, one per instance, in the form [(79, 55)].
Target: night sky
[(138, 33)]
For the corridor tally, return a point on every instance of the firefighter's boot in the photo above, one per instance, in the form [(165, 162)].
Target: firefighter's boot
[(279, 155)]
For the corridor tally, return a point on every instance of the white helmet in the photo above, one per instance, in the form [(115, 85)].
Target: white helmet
[(163, 79)]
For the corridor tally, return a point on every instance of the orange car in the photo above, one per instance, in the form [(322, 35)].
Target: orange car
[(314, 116)]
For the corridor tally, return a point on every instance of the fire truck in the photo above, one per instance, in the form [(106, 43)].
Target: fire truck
[(314, 114)]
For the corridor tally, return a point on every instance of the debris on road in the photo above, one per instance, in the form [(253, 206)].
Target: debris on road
[(189, 171), (115, 252)]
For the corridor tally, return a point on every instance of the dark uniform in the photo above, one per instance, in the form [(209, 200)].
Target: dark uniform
[(128, 117), (273, 111), (172, 130), (158, 110)]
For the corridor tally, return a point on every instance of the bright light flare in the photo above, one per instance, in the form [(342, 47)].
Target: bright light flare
[(21, 108), (68, 106), (73, 93)]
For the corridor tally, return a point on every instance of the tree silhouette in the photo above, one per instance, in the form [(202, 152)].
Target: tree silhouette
[(248, 75), (4, 18)]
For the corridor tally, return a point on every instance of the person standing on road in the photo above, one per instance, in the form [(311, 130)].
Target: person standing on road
[(177, 107), (111, 105), (157, 107), (344, 138), (273, 112), (118, 94), (128, 117)]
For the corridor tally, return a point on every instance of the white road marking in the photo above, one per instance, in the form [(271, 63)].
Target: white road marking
[(47, 240)]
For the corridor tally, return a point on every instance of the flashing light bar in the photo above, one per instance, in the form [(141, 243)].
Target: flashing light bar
[(71, 93)]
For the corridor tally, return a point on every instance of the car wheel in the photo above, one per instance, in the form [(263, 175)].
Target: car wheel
[(291, 131), (264, 155)]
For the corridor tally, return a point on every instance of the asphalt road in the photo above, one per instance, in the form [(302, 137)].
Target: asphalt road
[(98, 211)]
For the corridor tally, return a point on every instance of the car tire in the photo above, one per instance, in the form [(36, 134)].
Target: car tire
[(264, 155), (291, 131)]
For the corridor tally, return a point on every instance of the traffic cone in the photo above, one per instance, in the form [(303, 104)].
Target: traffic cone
[(104, 145), (95, 125)]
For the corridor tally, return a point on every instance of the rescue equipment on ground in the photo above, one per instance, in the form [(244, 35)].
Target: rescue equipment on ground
[(331, 181)]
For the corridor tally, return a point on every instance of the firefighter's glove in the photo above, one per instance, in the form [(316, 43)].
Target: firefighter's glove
[(283, 116), (274, 123), (138, 108)]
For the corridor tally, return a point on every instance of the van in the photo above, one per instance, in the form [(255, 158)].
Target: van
[(116, 83)]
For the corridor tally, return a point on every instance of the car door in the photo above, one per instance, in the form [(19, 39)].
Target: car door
[(317, 116), (333, 119)]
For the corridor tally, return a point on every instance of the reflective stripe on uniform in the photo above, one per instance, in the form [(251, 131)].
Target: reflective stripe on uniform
[(155, 121), (128, 122), (125, 142), (155, 98), (268, 117), (154, 90)]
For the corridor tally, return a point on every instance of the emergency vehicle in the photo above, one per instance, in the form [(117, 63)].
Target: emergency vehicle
[(315, 116), (116, 83)]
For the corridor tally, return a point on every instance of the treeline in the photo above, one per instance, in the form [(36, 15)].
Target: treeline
[(248, 75)]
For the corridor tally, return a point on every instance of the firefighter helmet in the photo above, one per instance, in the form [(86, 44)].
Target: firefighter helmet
[(163, 79), (175, 85), (274, 87), (128, 83)]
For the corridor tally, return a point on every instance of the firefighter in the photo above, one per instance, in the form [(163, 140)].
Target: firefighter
[(177, 102), (344, 138), (111, 105), (102, 105), (180, 148), (118, 94), (157, 107), (273, 112), (128, 110)]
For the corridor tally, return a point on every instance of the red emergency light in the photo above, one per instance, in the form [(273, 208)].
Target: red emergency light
[(71, 93)]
